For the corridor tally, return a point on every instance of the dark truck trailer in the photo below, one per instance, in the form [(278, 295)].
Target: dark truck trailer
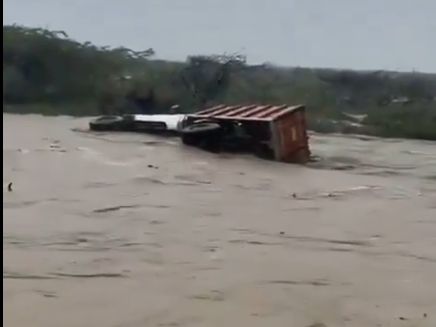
[(275, 132)]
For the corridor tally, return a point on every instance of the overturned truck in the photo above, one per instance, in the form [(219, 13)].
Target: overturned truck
[(275, 132)]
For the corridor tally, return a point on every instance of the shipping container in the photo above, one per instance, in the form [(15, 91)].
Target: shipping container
[(276, 132)]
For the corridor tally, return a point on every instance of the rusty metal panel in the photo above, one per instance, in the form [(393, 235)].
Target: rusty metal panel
[(292, 137), (246, 112)]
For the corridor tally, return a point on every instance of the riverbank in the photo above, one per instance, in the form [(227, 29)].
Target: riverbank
[(46, 72)]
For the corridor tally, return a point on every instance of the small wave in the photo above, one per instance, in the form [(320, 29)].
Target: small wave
[(99, 157)]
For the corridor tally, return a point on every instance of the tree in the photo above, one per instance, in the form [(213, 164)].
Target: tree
[(208, 77)]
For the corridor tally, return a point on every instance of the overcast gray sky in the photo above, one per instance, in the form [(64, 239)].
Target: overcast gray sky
[(361, 34)]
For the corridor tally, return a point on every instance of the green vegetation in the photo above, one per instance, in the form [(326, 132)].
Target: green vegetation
[(46, 72)]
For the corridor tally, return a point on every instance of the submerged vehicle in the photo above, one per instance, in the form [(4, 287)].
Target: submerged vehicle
[(158, 124), (275, 132)]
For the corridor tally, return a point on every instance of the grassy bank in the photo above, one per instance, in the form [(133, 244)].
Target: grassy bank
[(46, 72)]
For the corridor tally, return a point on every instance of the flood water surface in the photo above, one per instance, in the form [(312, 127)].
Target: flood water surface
[(125, 230)]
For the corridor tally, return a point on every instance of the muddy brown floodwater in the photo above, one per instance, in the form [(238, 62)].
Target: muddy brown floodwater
[(136, 231)]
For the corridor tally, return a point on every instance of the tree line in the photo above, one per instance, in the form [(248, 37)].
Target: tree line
[(47, 72)]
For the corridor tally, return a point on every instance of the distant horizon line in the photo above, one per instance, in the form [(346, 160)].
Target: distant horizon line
[(281, 66)]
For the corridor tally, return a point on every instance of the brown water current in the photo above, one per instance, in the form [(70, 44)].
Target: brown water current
[(123, 230)]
